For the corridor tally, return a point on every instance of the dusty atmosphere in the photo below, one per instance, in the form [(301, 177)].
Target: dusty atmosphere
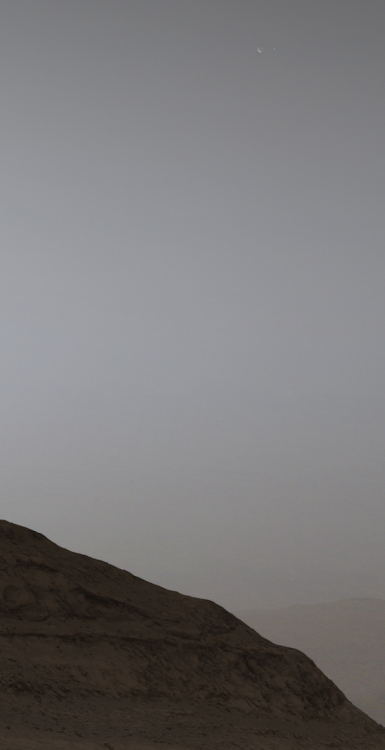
[(94, 657), (192, 387), (192, 290)]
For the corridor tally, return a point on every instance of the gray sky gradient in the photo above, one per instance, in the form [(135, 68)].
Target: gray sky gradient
[(192, 290)]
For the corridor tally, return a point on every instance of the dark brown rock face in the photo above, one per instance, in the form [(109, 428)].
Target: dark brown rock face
[(82, 641)]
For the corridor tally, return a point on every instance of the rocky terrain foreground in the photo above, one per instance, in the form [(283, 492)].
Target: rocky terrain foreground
[(92, 657)]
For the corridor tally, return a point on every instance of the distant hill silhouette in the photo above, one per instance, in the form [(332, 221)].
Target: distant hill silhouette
[(346, 639), (94, 657)]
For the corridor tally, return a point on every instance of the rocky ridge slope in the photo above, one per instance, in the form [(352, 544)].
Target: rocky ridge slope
[(345, 638), (92, 654)]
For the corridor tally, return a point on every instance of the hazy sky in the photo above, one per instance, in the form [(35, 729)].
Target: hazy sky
[(192, 290)]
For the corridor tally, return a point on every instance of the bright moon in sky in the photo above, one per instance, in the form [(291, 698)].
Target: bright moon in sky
[(260, 49)]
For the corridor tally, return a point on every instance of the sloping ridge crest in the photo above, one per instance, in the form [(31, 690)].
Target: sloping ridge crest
[(119, 636)]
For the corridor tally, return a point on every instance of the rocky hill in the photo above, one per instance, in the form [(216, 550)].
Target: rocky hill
[(94, 657), (345, 638)]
